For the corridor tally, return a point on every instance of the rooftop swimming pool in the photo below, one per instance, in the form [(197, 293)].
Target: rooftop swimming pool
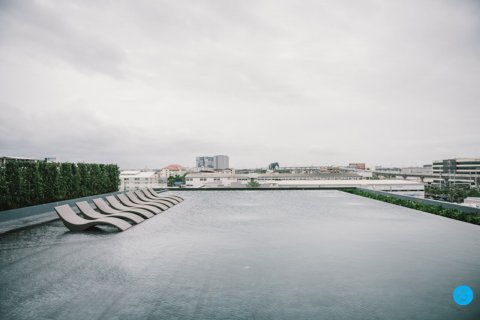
[(248, 255)]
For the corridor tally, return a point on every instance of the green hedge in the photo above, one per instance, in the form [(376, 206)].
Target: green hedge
[(27, 183), (438, 210)]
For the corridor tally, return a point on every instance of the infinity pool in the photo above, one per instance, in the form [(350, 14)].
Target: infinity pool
[(248, 255)]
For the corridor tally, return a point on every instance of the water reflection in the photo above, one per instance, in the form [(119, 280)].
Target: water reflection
[(243, 255)]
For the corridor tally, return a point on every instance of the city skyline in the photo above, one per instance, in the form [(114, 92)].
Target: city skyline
[(393, 84)]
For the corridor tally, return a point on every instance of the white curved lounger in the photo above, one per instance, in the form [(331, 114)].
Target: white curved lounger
[(136, 200), (87, 210), (150, 197), (102, 206), (153, 195), (143, 198), (75, 223), (156, 195), (173, 197), (119, 206), (126, 201)]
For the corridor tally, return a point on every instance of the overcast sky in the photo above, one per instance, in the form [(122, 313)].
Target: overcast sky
[(149, 83)]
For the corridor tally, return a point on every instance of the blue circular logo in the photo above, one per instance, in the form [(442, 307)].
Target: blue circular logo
[(463, 295)]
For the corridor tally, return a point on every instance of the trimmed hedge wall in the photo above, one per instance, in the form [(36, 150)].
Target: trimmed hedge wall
[(444, 212), (27, 183)]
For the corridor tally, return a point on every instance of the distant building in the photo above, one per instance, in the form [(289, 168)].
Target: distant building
[(172, 171), (458, 171), (134, 180), (357, 166), (323, 180), (205, 162), (5, 159), (417, 170), (221, 162), (218, 162), (388, 169), (216, 179)]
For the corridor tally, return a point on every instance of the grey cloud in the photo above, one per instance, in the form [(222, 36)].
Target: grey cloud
[(296, 82), (40, 31)]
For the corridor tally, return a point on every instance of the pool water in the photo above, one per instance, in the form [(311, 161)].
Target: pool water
[(248, 255)]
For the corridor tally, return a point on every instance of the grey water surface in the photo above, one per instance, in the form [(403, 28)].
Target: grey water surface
[(247, 255)]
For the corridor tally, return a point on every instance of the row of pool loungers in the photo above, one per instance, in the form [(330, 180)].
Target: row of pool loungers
[(121, 212)]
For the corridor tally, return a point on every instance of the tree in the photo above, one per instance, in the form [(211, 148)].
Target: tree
[(65, 181), (253, 184), (75, 187), (50, 182), (35, 188), (3, 189), (12, 183), (175, 180), (274, 166)]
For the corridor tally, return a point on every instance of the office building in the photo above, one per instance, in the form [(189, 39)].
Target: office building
[(205, 162), (458, 171), (218, 162), (221, 162)]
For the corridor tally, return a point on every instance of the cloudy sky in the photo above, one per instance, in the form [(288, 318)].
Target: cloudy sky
[(149, 83)]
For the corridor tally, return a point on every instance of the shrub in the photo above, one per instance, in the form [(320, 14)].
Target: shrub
[(438, 210), (26, 183)]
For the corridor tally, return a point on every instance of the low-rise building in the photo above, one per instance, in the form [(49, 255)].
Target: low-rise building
[(134, 180), (357, 166), (202, 179), (328, 180), (172, 171)]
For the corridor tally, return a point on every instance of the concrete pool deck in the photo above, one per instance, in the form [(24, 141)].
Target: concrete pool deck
[(247, 255)]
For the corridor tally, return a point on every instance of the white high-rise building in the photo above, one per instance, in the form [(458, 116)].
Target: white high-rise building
[(221, 162)]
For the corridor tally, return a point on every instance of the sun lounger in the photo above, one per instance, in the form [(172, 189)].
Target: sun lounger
[(87, 210), (119, 206), (156, 195), (170, 199), (126, 201), (136, 200), (140, 195), (76, 223), (103, 206), (150, 197)]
